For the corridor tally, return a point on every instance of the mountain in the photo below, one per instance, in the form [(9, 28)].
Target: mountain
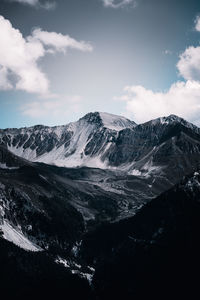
[(84, 142), (154, 254), (110, 231), (149, 147), (46, 207), (107, 141), (35, 211), (143, 160), (46, 210)]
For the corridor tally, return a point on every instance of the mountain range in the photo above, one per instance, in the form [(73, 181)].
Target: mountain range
[(98, 197), (101, 140)]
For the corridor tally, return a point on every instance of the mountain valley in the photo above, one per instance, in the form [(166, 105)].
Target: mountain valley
[(98, 198)]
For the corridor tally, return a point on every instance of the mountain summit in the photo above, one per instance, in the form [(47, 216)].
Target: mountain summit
[(109, 121)]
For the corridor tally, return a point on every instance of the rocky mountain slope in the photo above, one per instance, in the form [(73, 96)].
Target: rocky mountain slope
[(82, 143), (129, 164), (139, 163), (35, 213), (159, 147), (101, 229), (43, 206), (154, 254)]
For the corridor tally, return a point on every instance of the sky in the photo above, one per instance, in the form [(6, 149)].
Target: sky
[(60, 59)]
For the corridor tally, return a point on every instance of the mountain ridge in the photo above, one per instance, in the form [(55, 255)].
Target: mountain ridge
[(87, 142), (99, 223)]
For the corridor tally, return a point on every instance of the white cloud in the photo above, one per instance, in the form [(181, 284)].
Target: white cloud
[(197, 23), (19, 56), (56, 108), (182, 99), (119, 3), (49, 5), (58, 41), (189, 63)]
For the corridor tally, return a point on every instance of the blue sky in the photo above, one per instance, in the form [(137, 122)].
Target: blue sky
[(139, 59)]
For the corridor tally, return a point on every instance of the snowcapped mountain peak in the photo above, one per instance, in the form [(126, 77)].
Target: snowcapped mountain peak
[(116, 122), (173, 118), (176, 120), (101, 140), (166, 120), (170, 120), (84, 142), (92, 118), (109, 121)]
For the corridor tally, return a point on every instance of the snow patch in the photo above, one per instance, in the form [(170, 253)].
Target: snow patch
[(63, 262), (16, 237), (135, 172), (114, 122), (76, 269)]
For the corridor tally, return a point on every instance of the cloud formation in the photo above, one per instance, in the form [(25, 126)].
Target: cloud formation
[(119, 3), (49, 5), (189, 63), (182, 99), (197, 23), (19, 56), (58, 42)]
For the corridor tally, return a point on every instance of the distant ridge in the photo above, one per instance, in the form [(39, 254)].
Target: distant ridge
[(107, 141)]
